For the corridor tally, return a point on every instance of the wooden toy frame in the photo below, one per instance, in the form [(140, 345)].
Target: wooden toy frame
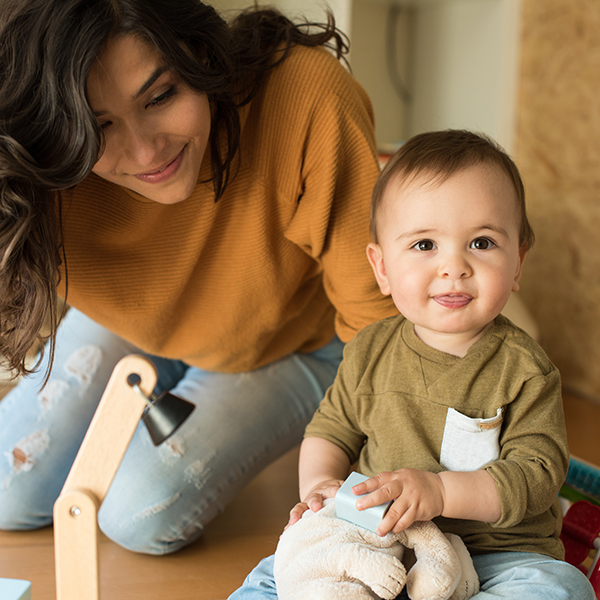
[(94, 468)]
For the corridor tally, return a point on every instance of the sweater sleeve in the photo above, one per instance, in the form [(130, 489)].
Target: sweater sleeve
[(332, 220), (534, 457)]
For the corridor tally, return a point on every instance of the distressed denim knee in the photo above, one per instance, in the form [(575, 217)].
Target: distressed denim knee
[(162, 497), (41, 429), (16, 513)]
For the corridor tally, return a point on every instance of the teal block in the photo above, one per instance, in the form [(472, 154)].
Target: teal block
[(345, 505), (15, 589)]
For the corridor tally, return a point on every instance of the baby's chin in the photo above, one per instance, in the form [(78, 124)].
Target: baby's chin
[(452, 340)]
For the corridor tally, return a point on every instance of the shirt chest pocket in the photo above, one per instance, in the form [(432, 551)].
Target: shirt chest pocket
[(469, 444)]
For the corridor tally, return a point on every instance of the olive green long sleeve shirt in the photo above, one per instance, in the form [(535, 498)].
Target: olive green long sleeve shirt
[(398, 403)]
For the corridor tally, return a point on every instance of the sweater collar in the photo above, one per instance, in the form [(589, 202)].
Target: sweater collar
[(422, 349)]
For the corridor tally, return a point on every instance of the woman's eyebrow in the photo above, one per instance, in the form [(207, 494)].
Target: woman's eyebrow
[(155, 75)]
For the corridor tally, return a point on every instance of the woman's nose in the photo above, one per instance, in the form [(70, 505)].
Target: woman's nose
[(142, 147)]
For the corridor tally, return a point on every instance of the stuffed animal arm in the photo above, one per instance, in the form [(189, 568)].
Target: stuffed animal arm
[(322, 557)]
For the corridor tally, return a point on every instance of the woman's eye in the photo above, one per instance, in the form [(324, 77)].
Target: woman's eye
[(424, 245), (163, 97), (482, 244), (104, 126)]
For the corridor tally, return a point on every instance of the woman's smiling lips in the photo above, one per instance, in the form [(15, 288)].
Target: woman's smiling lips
[(453, 300), (163, 173)]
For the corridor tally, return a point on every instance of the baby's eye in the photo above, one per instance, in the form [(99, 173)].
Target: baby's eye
[(482, 244), (424, 245)]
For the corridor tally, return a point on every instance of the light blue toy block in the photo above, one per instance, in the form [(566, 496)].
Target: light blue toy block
[(15, 589), (345, 505)]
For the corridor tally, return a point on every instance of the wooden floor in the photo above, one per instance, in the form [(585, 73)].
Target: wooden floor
[(233, 544), (210, 569)]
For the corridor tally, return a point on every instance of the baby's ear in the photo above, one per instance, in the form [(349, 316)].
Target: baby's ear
[(375, 256), (522, 254)]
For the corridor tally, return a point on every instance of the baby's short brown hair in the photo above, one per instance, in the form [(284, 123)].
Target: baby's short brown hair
[(441, 154)]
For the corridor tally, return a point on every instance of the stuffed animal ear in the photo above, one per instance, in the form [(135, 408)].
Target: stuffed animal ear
[(322, 557), (468, 585), (436, 572)]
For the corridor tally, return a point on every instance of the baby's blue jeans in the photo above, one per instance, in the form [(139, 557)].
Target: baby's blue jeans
[(161, 498), (508, 575)]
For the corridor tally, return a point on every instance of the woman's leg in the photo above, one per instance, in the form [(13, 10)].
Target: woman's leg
[(161, 498), (40, 432)]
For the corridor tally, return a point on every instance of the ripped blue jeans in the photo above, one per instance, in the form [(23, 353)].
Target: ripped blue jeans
[(162, 497)]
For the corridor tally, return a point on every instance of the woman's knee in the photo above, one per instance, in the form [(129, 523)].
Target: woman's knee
[(35, 462), (152, 527), (17, 516), (162, 498), (41, 428), (26, 500)]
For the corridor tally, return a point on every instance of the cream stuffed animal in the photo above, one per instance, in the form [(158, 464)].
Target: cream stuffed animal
[(322, 557)]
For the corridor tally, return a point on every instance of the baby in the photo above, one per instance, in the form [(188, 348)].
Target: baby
[(453, 412)]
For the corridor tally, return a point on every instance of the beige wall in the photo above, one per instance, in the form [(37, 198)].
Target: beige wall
[(558, 150)]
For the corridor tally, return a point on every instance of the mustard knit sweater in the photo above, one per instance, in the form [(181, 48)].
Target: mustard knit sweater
[(277, 265)]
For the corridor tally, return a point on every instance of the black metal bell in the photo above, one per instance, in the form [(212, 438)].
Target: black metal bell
[(165, 416)]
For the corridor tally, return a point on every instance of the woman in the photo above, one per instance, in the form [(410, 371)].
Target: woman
[(201, 191)]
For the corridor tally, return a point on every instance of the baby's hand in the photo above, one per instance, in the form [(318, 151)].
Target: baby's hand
[(417, 495), (314, 499)]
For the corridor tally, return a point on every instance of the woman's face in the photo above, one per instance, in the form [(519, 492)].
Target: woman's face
[(155, 128)]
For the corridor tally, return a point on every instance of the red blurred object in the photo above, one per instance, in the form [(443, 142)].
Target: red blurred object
[(580, 534)]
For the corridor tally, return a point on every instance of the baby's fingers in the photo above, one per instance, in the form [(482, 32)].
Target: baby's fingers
[(399, 517), (371, 484), (381, 494), (314, 501), (296, 513), (375, 483)]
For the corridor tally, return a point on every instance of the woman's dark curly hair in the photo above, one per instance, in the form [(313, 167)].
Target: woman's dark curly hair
[(50, 138)]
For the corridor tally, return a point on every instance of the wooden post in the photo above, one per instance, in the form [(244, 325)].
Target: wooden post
[(94, 468)]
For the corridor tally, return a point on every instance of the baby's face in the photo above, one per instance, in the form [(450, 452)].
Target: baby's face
[(449, 253)]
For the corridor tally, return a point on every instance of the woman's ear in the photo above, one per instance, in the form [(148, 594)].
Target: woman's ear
[(375, 256), (522, 254)]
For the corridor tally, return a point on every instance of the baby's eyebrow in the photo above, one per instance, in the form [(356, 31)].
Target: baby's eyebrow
[(494, 228), (415, 233), (431, 232)]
